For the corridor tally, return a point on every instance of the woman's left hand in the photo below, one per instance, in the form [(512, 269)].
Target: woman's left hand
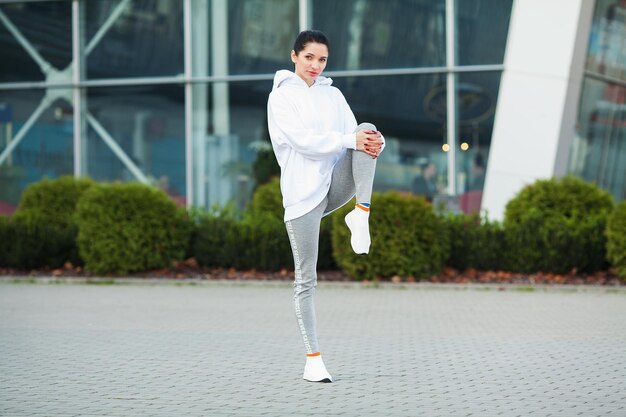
[(370, 142)]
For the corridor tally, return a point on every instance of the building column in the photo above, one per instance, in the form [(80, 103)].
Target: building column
[(538, 98)]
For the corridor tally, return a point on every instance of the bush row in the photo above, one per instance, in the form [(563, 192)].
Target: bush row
[(109, 228), (550, 226), (259, 240)]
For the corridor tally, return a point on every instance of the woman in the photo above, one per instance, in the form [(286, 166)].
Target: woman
[(325, 159)]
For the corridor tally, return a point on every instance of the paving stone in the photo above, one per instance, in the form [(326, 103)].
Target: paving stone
[(162, 350)]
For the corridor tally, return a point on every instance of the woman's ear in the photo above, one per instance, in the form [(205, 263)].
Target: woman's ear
[(294, 57)]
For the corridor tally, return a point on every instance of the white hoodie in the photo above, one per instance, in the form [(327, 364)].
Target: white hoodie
[(310, 129)]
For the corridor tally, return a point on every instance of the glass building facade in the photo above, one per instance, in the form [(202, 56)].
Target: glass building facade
[(173, 92), (599, 150)]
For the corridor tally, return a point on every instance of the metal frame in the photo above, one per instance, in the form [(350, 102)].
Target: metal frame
[(604, 78), (47, 99), (303, 14), (451, 117), (188, 103), (56, 90), (120, 82), (77, 92), (117, 12)]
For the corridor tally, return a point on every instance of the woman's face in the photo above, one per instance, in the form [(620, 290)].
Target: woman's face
[(310, 62)]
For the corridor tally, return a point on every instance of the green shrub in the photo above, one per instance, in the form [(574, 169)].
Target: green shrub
[(616, 238), (259, 241), (213, 239), (6, 242), (475, 242), (408, 239), (45, 224), (265, 243), (263, 231), (268, 200), (130, 227), (557, 225), (265, 166)]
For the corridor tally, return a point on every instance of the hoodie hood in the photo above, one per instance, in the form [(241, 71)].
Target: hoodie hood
[(286, 77)]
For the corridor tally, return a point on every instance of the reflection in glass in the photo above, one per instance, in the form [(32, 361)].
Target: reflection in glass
[(215, 148), (598, 152), (137, 134), (43, 148), (477, 94), (230, 142), (255, 164), (367, 34), (410, 113), (46, 47), (132, 38), (260, 34), (476, 103), (482, 28), (607, 41), (229, 148)]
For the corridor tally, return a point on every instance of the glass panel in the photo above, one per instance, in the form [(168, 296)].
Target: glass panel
[(134, 38), (261, 35), (44, 146), (607, 41), (599, 149), (367, 34), (146, 125), (410, 111), (227, 140), (477, 95), (248, 109), (482, 28), (45, 47)]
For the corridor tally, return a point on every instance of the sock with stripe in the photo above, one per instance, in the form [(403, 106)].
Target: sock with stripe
[(358, 223), (315, 370)]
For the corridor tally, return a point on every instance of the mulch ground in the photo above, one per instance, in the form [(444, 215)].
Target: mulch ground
[(190, 269)]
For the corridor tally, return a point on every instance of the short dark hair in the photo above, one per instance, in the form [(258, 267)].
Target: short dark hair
[(307, 36), (479, 161)]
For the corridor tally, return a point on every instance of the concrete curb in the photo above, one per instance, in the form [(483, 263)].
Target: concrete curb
[(425, 286)]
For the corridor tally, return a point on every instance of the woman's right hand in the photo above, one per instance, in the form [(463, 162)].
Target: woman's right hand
[(369, 141)]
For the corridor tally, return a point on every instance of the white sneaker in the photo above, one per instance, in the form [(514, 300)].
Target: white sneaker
[(358, 223), (315, 371)]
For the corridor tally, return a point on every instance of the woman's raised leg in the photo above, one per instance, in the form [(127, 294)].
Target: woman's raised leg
[(354, 174)]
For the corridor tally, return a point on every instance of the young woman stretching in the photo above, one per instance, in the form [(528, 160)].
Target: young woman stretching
[(325, 159)]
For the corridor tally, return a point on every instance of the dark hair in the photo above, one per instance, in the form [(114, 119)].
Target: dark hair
[(479, 161), (307, 36)]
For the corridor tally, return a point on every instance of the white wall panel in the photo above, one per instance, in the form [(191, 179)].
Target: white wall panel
[(540, 86)]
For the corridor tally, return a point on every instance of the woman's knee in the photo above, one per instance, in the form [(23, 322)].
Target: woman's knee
[(365, 126), (305, 286)]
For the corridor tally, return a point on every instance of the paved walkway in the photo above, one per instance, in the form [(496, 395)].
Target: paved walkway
[(231, 350)]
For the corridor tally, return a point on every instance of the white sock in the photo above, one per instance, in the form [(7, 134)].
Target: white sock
[(315, 370), (358, 223)]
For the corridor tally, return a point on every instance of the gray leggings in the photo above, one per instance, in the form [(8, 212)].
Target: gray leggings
[(354, 173)]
